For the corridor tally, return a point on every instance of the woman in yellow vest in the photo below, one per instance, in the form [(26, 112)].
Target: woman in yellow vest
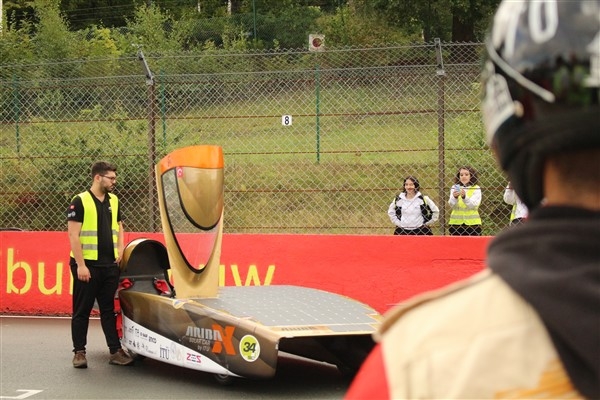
[(465, 197), (519, 210)]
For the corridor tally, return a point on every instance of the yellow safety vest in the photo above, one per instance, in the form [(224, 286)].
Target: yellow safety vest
[(89, 228), (513, 212), (462, 215)]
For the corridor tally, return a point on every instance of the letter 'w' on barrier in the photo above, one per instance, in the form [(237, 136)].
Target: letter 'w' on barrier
[(190, 194)]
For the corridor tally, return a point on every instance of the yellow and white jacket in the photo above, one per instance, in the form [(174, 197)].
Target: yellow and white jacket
[(507, 356)]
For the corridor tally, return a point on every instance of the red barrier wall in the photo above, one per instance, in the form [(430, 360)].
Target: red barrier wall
[(377, 270)]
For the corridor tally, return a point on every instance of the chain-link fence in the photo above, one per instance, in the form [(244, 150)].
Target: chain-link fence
[(314, 142)]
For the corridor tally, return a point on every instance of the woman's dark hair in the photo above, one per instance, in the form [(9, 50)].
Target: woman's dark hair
[(415, 181), (471, 170)]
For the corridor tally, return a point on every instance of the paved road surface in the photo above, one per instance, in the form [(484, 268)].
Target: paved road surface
[(35, 364)]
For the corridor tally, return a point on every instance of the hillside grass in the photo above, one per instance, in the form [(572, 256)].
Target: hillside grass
[(335, 177)]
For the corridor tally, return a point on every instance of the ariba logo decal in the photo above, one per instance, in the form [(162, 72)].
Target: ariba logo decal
[(221, 338)]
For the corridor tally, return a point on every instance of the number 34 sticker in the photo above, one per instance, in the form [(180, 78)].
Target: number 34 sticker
[(249, 348)]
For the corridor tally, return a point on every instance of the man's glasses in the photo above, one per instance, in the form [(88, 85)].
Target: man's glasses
[(110, 178)]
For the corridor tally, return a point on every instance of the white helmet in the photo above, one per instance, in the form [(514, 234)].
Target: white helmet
[(540, 84)]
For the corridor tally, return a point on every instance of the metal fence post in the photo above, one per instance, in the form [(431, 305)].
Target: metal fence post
[(441, 74), (163, 108), (152, 206), (17, 111), (317, 111)]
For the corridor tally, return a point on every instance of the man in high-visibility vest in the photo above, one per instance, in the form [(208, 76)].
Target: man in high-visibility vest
[(96, 237)]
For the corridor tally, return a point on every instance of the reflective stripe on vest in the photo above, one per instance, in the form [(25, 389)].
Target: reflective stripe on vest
[(89, 228), (461, 214), (513, 213)]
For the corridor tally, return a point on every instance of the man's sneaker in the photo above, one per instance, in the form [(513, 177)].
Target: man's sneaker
[(120, 358), (79, 360)]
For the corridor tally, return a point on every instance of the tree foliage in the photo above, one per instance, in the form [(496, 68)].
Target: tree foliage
[(16, 45), (86, 13), (449, 20), (17, 12), (350, 26), (53, 39), (62, 29), (155, 29)]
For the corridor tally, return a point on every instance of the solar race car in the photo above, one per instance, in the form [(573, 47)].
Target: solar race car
[(174, 311)]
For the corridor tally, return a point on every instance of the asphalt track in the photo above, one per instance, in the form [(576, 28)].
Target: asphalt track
[(35, 363)]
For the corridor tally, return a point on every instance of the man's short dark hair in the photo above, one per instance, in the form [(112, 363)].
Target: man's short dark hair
[(102, 167), (578, 168)]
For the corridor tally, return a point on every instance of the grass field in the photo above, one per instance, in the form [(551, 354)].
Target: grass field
[(334, 170)]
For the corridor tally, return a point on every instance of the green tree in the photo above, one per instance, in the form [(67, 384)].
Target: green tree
[(157, 31), (16, 45), (97, 43), (289, 26), (17, 12), (85, 13), (470, 19), (449, 20), (362, 26), (278, 6), (53, 40), (211, 8)]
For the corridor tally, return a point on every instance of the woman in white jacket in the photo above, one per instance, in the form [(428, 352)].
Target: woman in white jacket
[(411, 212)]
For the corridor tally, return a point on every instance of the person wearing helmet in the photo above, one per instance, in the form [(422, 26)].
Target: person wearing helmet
[(528, 326)]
